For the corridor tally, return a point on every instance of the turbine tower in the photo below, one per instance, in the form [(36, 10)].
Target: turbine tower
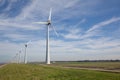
[(25, 56), (48, 24), (19, 57)]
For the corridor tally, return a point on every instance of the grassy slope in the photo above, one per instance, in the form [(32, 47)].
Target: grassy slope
[(36, 72)]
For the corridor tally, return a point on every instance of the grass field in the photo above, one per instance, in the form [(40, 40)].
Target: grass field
[(41, 72)]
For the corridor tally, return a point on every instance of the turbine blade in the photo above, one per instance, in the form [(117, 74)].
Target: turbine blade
[(55, 31), (41, 22), (50, 14), (28, 42)]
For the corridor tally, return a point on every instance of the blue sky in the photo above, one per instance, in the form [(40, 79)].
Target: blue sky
[(88, 29)]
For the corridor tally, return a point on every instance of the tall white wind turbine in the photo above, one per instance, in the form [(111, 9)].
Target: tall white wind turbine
[(48, 23)]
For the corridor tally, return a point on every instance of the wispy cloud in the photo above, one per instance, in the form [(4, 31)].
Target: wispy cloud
[(18, 37), (74, 32), (12, 24), (104, 23)]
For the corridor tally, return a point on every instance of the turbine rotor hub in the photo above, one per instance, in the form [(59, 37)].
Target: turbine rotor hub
[(25, 45), (49, 22)]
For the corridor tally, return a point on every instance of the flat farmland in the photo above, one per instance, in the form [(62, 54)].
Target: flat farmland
[(114, 66), (48, 72)]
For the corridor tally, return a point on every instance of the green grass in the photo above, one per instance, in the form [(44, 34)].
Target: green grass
[(37, 72), (103, 65)]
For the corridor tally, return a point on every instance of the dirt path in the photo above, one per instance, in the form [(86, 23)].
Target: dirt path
[(2, 65), (96, 69)]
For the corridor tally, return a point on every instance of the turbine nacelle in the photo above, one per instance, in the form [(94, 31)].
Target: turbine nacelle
[(25, 45), (49, 22)]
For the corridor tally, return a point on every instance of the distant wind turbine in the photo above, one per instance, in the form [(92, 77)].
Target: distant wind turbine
[(48, 23), (15, 58), (19, 57), (25, 56)]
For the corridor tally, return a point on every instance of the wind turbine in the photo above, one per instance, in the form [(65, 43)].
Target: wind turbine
[(14, 60), (48, 24), (19, 57), (25, 56)]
